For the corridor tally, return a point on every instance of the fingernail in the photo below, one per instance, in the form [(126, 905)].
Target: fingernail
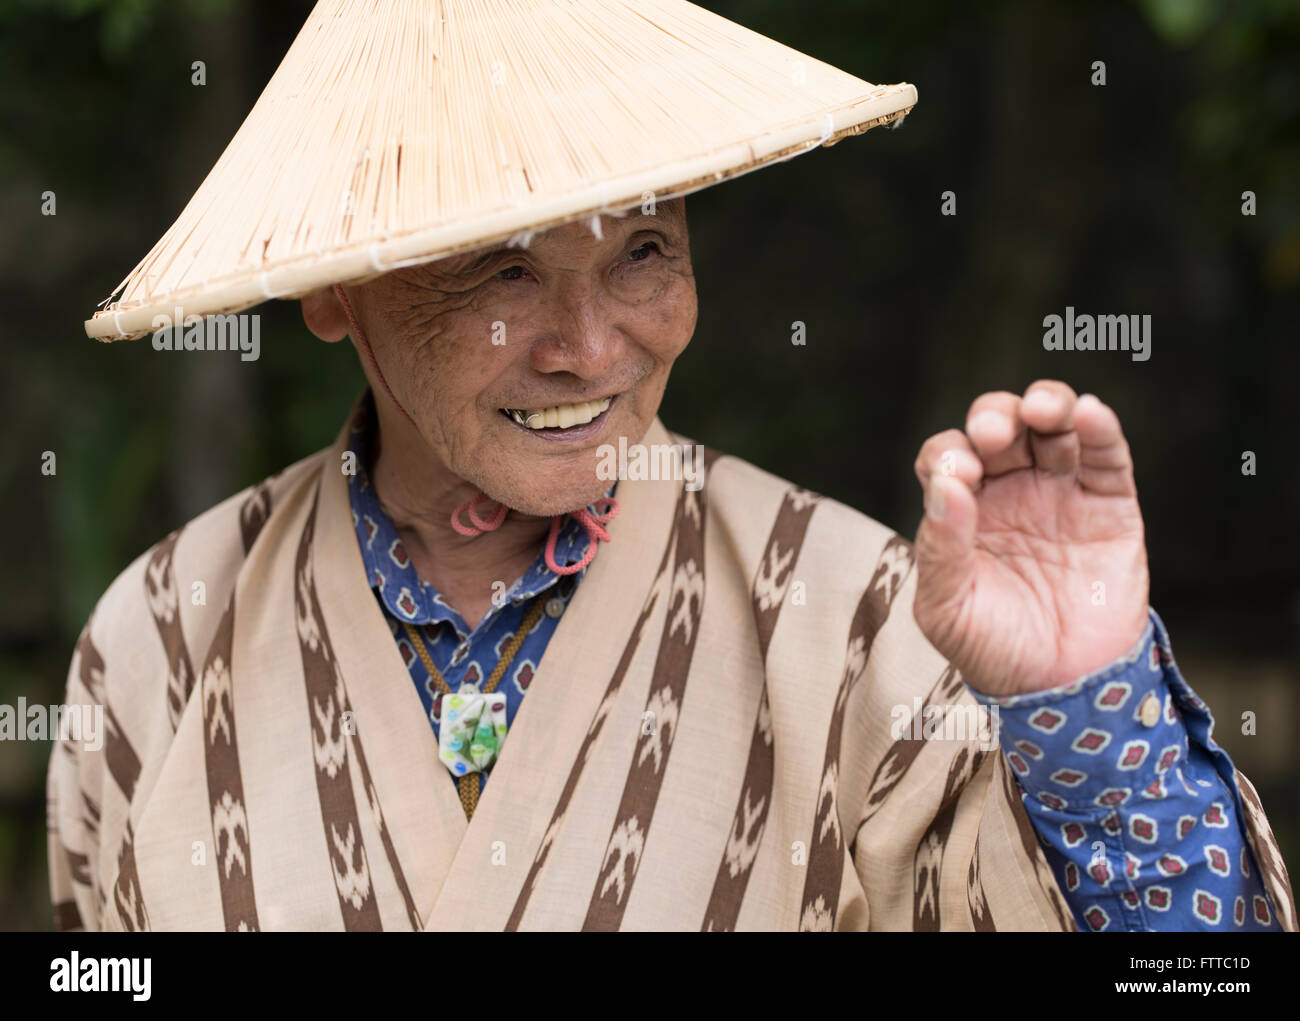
[(936, 501)]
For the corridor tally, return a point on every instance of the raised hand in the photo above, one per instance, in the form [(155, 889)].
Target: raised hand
[(1031, 557)]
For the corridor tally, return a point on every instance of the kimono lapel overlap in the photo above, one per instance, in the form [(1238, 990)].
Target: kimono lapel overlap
[(502, 841), (467, 875), (413, 794)]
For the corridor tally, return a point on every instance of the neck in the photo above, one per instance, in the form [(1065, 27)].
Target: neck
[(419, 494)]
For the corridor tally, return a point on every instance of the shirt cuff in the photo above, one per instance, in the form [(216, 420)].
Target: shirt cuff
[(1110, 737), (1111, 750)]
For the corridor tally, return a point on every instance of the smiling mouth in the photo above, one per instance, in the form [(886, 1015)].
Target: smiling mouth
[(559, 416)]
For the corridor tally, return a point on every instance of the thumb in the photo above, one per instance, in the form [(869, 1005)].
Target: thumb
[(945, 552)]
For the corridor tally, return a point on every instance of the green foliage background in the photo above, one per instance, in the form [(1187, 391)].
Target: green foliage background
[(1123, 198)]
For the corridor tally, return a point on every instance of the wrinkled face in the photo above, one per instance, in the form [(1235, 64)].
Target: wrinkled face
[(574, 333)]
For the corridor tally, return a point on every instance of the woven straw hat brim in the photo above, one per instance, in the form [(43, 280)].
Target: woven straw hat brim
[(396, 132)]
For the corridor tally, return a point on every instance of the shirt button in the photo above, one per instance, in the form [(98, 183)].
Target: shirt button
[(1149, 714), (554, 606)]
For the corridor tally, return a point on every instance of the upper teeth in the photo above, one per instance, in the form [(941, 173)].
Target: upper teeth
[(560, 416)]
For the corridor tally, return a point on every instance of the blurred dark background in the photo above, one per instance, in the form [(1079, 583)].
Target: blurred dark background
[(1123, 198)]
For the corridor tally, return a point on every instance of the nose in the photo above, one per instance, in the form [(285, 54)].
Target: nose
[(580, 333)]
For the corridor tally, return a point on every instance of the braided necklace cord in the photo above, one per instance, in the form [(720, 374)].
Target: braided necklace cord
[(470, 785)]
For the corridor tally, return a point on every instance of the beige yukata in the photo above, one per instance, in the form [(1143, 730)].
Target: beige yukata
[(705, 745)]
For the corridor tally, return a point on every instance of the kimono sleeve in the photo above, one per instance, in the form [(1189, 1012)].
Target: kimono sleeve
[(73, 800), (934, 826)]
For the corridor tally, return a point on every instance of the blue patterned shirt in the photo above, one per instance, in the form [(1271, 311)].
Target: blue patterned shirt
[(1133, 800), (1140, 825), (460, 653)]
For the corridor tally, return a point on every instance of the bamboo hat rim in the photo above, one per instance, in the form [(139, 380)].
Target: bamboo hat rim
[(382, 250)]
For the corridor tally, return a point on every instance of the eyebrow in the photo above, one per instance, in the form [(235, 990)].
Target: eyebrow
[(489, 254), (484, 258)]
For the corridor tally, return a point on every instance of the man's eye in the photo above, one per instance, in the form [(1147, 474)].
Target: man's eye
[(643, 252), (512, 273)]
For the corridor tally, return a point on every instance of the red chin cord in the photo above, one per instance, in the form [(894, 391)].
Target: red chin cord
[(593, 524)]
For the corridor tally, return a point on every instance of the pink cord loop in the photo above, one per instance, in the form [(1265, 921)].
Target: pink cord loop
[(479, 526), (608, 514), (593, 524)]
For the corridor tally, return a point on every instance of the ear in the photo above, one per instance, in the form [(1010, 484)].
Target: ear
[(324, 315)]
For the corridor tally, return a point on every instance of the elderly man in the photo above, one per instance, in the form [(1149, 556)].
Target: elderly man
[(448, 674)]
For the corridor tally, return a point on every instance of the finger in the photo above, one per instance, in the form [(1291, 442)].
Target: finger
[(1105, 463), (1048, 411), (945, 553), (998, 433), (949, 453)]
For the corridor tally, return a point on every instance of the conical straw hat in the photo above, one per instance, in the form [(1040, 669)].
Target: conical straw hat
[(399, 131)]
